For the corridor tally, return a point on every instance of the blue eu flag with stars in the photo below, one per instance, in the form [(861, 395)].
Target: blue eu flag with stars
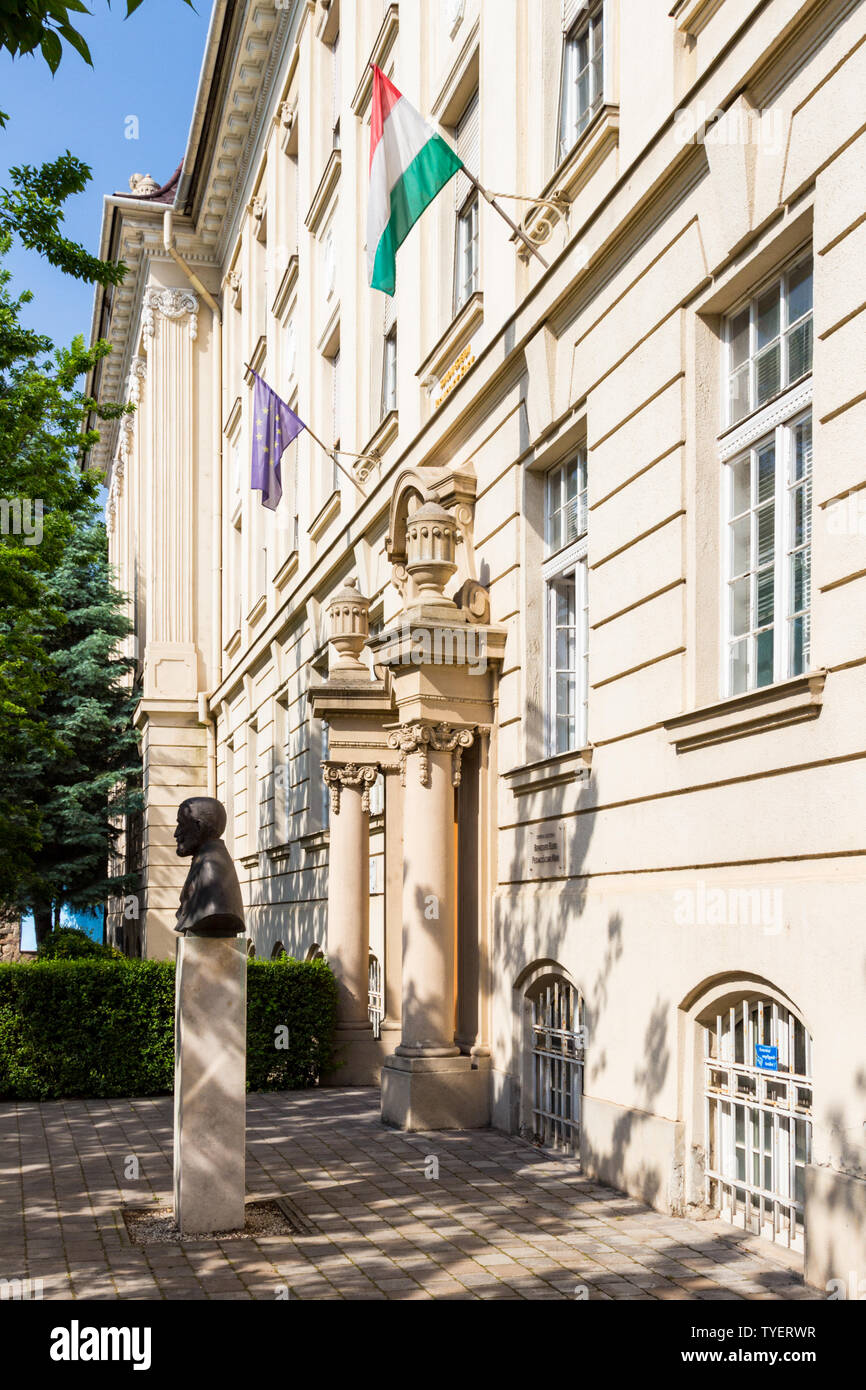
[(275, 425)]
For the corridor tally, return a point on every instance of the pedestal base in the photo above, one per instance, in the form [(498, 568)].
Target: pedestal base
[(422, 1093), (357, 1058), (210, 1084)]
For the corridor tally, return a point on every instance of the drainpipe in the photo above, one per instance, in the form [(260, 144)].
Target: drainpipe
[(205, 716)]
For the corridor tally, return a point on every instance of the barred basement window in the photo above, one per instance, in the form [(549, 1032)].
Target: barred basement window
[(557, 1064), (758, 1109), (375, 996)]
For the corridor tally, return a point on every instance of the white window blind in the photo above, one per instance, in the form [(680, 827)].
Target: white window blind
[(467, 137), (570, 11)]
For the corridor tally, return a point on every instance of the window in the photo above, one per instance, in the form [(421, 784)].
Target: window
[(758, 1108), (769, 342), (466, 246), (769, 510), (557, 1054), (335, 387), (389, 373), (375, 995), (335, 93), (466, 282), (767, 479), (582, 75), (565, 578)]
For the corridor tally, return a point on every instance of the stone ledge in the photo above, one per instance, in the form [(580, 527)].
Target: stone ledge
[(769, 707), (550, 772)]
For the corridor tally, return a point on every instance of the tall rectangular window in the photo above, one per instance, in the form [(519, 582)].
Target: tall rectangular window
[(389, 372), (769, 509), (567, 619), (582, 74), (767, 477), (466, 248)]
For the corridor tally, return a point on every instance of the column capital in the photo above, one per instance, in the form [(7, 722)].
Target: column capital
[(339, 775), (418, 737), (173, 304)]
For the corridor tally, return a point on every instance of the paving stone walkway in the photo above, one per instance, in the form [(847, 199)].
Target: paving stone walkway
[(499, 1220)]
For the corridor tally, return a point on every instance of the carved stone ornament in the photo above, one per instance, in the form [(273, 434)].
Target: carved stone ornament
[(339, 775), (349, 614), (173, 304), (420, 738)]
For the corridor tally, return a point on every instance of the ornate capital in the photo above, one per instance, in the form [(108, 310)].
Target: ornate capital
[(420, 738), (173, 304), (339, 775)]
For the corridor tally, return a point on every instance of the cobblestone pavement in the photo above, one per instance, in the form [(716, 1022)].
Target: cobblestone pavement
[(501, 1219)]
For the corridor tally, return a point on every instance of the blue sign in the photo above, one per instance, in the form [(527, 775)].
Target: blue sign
[(766, 1057)]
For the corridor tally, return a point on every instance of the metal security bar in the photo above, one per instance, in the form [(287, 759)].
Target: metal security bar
[(758, 1118), (375, 1000), (557, 1066)]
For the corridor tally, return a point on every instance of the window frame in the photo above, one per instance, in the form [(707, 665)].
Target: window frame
[(584, 24), (389, 372), (568, 561), (468, 216), (781, 277), (782, 434)]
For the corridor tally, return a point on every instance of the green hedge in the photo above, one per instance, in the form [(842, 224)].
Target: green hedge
[(68, 943), (106, 1027)]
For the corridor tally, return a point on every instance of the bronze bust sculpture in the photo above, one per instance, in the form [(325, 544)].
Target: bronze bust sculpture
[(210, 900)]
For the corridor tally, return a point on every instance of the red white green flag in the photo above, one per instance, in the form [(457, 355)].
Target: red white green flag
[(409, 164)]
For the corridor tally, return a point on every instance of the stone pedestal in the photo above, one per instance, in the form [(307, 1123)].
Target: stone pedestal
[(421, 1093), (210, 1084)]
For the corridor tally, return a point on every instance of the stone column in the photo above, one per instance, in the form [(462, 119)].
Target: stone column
[(349, 890), (428, 1084), (429, 899), (210, 1084)]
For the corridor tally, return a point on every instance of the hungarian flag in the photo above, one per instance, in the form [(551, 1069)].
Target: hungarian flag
[(275, 425), (409, 164)]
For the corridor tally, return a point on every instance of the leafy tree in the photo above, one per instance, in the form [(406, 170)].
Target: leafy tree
[(44, 495), (33, 206), (26, 25)]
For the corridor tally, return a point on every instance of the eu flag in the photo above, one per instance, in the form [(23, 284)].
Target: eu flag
[(274, 428)]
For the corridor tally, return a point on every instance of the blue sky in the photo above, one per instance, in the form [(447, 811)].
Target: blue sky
[(146, 66)]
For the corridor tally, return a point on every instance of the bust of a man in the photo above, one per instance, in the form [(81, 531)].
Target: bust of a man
[(210, 900)]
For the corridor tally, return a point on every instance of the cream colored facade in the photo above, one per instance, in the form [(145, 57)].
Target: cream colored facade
[(687, 851)]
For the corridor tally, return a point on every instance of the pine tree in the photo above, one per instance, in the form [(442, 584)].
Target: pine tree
[(87, 778)]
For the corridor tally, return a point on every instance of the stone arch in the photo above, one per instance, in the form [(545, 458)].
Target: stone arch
[(315, 952), (278, 951), (532, 987)]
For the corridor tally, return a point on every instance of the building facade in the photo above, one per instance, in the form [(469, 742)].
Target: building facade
[(536, 705)]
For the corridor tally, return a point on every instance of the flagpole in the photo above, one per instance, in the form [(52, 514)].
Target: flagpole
[(491, 199), (332, 453)]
